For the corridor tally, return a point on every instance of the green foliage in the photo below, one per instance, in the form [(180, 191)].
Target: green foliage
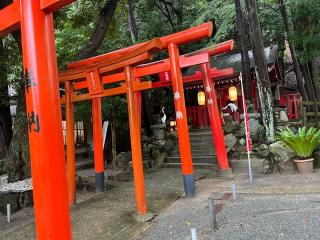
[(302, 143), (305, 16), (223, 13)]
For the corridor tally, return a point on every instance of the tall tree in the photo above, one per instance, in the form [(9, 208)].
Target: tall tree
[(5, 115), (18, 156), (100, 30), (244, 49), (132, 22), (263, 82), (289, 34)]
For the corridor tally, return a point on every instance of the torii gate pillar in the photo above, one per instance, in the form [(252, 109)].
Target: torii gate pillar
[(52, 216), (214, 116), (181, 118)]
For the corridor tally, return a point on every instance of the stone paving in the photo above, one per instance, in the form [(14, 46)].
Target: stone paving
[(109, 215)]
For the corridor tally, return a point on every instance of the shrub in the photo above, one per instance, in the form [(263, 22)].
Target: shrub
[(302, 143)]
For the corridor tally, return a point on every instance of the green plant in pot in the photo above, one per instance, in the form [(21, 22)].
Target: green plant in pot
[(302, 143)]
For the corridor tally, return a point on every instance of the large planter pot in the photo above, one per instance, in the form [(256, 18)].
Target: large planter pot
[(305, 166)]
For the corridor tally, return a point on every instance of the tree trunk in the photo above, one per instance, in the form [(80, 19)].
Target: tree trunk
[(5, 114), (113, 142), (18, 156), (135, 38), (308, 83), (132, 22), (101, 28), (313, 78), (263, 82), (244, 50), (292, 49)]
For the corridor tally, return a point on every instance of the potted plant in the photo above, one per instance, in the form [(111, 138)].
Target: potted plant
[(302, 143)]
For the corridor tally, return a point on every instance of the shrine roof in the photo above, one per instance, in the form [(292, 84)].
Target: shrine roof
[(233, 60)]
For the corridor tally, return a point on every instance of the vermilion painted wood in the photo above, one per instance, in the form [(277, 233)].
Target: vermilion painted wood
[(146, 70), (53, 5), (179, 103), (186, 36), (141, 86), (50, 191), (135, 138), (10, 18), (163, 65), (103, 68), (97, 135), (140, 71), (214, 115), (106, 93), (214, 74), (94, 83), (71, 160), (216, 49)]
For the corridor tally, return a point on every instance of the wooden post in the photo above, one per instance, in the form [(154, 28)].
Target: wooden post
[(71, 158), (214, 115), (181, 118), (135, 137), (49, 179), (98, 144), (304, 115)]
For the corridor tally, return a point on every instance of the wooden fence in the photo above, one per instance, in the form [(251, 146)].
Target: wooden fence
[(309, 109)]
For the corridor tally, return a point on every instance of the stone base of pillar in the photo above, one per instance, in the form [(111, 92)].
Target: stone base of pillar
[(100, 184), (143, 217), (225, 173), (189, 186)]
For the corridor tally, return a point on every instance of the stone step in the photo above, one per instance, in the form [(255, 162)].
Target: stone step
[(200, 130), (195, 165), (200, 134), (195, 159), (201, 141), (242, 165), (201, 152)]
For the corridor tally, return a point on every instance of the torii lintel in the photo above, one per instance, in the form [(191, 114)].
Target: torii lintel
[(10, 15)]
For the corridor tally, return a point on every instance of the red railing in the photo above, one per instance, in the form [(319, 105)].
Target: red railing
[(292, 102)]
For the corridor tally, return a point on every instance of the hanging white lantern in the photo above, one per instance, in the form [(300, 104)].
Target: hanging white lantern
[(233, 93), (201, 98)]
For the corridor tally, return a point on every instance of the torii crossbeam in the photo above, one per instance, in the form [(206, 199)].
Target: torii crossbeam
[(35, 18)]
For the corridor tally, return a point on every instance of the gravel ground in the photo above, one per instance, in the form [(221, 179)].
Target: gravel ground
[(21, 186), (109, 215), (263, 211), (270, 217)]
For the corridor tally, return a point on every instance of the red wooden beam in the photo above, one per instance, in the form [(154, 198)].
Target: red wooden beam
[(10, 15), (148, 69), (53, 5), (186, 36), (10, 18)]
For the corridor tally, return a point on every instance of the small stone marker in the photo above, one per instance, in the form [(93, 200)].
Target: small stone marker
[(8, 213), (234, 194), (212, 214), (194, 234)]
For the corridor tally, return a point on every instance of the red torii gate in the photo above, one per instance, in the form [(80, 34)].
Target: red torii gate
[(52, 216), (95, 74)]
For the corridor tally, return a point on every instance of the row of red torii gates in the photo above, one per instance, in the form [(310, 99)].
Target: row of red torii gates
[(51, 184)]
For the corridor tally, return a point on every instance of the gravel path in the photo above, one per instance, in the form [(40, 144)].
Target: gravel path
[(264, 211), (21, 186)]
